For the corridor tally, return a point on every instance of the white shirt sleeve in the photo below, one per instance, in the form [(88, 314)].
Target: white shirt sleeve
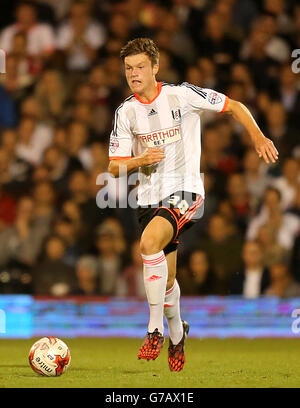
[(64, 36), (120, 144), (203, 98), (47, 37), (95, 35), (6, 38)]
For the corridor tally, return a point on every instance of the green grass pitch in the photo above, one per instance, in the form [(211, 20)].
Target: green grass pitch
[(113, 363)]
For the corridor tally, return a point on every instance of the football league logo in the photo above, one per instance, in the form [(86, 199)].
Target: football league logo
[(113, 145), (214, 98)]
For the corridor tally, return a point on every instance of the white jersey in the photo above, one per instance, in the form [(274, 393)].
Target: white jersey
[(171, 121)]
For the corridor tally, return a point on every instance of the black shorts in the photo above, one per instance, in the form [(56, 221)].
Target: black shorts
[(182, 209)]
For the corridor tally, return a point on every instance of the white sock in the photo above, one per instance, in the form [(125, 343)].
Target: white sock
[(172, 313), (155, 279)]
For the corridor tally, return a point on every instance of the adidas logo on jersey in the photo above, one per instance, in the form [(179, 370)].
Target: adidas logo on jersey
[(152, 112)]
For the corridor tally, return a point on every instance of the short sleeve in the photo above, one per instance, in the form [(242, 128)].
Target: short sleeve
[(95, 36), (6, 38), (120, 144), (203, 98), (47, 37)]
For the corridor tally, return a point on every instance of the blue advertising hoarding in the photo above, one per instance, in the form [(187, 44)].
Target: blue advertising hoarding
[(221, 317)]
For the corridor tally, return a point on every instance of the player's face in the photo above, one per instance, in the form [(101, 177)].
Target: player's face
[(140, 73)]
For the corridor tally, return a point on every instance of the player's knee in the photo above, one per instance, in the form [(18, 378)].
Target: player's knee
[(149, 245)]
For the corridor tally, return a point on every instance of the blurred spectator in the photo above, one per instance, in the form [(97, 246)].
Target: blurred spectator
[(244, 13), (215, 43), (212, 156), (133, 274), (91, 215), (194, 76), (255, 174), (254, 53), (181, 43), (289, 94), (18, 78), (208, 70), (39, 36), (76, 144), (238, 198), (253, 279), (50, 94), (282, 283), (119, 27), (278, 8), (33, 139), (99, 157), (218, 245), (23, 240), (272, 251), (53, 276), (241, 73), (294, 208), (7, 202), (15, 172), (60, 166), (287, 226), (61, 8), (295, 259), (102, 99), (44, 200), (288, 183), (80, 37), (197, 278), (8, 110), (87, 277), (277, 48), (66, 229), (109, 261), (277, 128), (166, 72)]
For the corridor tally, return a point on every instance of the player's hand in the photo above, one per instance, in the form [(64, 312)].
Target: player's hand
[(266, 149), (152, 155)]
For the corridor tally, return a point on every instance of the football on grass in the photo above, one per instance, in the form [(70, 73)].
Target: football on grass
[(49, 356)]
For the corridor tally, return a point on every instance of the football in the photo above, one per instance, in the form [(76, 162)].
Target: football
[(49, 357)]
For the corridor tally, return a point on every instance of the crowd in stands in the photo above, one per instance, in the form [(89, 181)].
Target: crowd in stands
[(63, 81)]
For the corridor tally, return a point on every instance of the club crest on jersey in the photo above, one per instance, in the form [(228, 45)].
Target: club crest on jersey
[(113, 144), (176, 114), (214, 98)]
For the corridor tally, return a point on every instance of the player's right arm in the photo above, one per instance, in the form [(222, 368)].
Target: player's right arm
[(120, 166), (120, 148)]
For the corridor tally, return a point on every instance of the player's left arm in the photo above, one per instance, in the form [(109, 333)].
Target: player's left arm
[(264, 146)]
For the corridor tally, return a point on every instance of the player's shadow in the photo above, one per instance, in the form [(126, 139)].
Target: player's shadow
[(132, 371), (85, 369), (13, 365)]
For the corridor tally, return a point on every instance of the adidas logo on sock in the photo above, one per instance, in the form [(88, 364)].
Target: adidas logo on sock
[(153, 278), (152, 112)]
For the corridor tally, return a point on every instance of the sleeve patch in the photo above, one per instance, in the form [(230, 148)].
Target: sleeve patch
[(214, 98), (113, 144)]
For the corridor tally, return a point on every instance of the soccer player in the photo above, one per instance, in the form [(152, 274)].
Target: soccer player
[(157, 131)]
